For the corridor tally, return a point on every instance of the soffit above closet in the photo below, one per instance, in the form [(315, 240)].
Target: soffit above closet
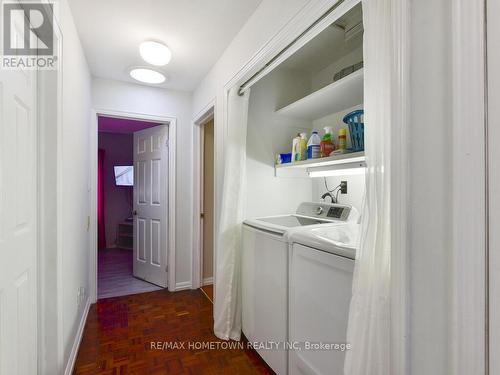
[(329, 45)]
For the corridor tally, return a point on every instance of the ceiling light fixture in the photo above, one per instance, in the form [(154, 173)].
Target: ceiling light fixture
[(146, 75), (155, 53)]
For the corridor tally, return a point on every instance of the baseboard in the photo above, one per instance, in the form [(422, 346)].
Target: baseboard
[(183, 285), (208, 281), (78, 339)]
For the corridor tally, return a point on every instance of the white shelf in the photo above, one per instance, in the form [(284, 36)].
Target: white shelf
[(299, 169), (337, 96)]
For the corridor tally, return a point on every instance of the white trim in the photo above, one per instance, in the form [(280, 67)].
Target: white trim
[(200, 119), (399, 191), (208, 281), (93, 207), (183, 285), (172, 141), (468, 336), (493, 183), (78, 339), (50, 142)]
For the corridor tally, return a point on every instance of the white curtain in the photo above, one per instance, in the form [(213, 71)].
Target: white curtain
[(227, 308), (369, 317)]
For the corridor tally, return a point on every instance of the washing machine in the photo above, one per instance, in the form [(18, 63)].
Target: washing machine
[(320, 278), (265, 276)]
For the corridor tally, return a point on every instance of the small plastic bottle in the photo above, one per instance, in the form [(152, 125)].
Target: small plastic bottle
[(342, 140)]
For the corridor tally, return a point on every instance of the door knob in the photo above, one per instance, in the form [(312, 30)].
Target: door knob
[(134, 213)]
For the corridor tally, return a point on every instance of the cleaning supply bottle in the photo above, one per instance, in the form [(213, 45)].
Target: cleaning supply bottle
[(326, 145), (313, 146), (302, 147), (342, 140), (295, 144)]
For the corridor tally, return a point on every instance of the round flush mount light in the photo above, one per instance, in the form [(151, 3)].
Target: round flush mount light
[(146, 75), (155, 53)]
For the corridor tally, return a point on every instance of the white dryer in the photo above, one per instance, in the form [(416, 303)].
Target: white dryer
[(321, 271), (265, 260)]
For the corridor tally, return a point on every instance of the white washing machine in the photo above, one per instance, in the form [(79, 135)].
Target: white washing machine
[(321, 271), (265, 260)]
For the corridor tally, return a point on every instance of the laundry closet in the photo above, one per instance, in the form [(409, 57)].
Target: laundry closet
[(303, 215), (296, 97)]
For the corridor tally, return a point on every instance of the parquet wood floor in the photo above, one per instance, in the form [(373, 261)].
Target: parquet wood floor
[(119, 333)]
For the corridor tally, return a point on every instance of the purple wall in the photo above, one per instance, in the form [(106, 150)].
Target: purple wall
[(117, 199)]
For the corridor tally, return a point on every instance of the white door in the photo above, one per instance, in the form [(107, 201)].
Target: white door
[(150, 204), (18, 222)]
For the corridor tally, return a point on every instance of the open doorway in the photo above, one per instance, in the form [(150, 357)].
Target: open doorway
[(207, 206), (130, 168)]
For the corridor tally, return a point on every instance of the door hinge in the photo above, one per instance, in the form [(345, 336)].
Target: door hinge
[(166, 268)]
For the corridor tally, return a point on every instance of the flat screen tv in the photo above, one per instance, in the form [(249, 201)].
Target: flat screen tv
[(124, 175)]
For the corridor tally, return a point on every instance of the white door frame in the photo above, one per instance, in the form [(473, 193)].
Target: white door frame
[(469, 332), (205, 115), (172, 136), (46, 141), (48, 362), (493, 184)]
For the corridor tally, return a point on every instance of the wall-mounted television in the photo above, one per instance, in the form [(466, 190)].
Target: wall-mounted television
[(124, 175)]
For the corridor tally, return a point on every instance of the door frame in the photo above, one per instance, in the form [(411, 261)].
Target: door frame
[(46, 362), (172, 136), (469, 263), (493, 186), (205, 115)]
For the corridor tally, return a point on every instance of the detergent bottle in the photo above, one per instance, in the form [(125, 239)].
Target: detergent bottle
[(326, 145), (295, 151), (313, 146), (302, 147)]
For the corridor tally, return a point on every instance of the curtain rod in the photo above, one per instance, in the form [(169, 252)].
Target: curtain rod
[(249, 82)]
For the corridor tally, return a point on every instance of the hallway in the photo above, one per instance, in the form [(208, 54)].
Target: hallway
[(119, 333)]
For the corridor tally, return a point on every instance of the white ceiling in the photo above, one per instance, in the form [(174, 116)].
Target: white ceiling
[(197, 32)]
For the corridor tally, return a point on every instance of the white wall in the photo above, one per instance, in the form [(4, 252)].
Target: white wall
[(128, 97), (355, 184), (267, 135), (267, 20), (75, 178)]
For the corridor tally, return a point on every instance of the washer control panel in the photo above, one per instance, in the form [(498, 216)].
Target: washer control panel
[(328, 211)]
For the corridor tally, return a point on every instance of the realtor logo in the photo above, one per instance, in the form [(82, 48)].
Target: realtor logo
[(28, 35)]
